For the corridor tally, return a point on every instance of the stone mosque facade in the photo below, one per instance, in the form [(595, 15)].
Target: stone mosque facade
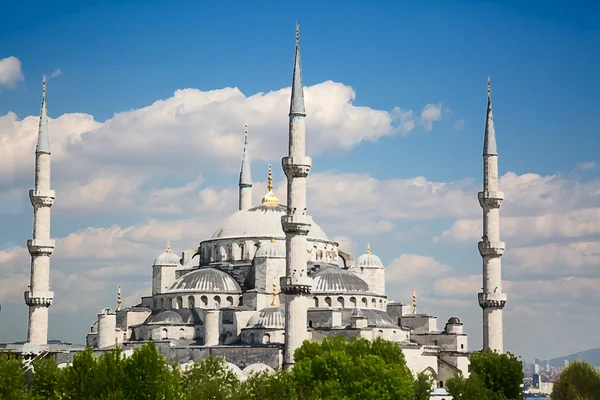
[(269, 278)]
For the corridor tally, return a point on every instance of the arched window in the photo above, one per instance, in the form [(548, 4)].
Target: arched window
[(313, 254), (182, 334), (435, 342), (222, 254), (441, 384), (340, 301), (316, 301), (165, 334), (179, 302), (191, 302), (204, 300), (462, 346), (374, 303), (310, 324), (241, 301), (353, 302), (235, 251), (229, 300), (266, 338), (242, 251), (364, 301), (218, 300), (168, 303), (328, 301)]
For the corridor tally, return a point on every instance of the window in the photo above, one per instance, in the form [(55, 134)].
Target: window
[(441, 384), (353, 302), (316, 301), (328, 301), (266, 338), (364, 301), (310, 324), (229, 300), (340, 301), (191, 302), (462, 346), (204, 300), (179, 302), (218, 300)]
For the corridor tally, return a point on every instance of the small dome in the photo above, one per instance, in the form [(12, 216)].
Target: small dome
[(167, 317), (369, 260), (268, 318), (207, 280), (167, 258), (454, 321), (272, 249), (336, 280)]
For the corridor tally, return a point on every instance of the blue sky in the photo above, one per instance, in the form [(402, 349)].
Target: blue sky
[(118, 57)]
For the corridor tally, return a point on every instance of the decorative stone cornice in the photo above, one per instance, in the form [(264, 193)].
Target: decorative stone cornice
[(489, 200), (295, 284), (42, 198), (491, 249), (296, 224), (38, 298), (296, 167), (495, 300)]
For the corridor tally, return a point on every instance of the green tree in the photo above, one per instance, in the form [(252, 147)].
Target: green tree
[(356, 369), (46, 381), (79, 378), (579, 381), (499, 376), (12, 378), (111, 377), (149, 376), (423, 386), (269, 385), (210, 378)]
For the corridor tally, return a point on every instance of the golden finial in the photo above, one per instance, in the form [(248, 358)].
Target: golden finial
[(274, 302), (272, 239), (270, 198), (297, 32), (168, 250), (368, 248), (414, 301), (489, 85), (119, 298)]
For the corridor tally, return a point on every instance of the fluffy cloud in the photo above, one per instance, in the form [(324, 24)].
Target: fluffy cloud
[(431, 113), (10, 71)]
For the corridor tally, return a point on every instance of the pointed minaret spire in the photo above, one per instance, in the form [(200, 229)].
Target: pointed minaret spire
[(43, 142), (297, 103), (119, 298), (489, 143), (245, 185)]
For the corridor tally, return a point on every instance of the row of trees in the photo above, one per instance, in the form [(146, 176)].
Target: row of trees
[(331, 369), (579, 381)]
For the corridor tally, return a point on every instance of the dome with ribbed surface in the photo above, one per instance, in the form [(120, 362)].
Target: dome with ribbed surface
[(369, 260), (167, 258), (261, 221), (272, 249), (268, 318), (336, 280), (206, 280), (454, 321)]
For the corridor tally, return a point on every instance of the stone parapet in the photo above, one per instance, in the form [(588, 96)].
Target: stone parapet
[(40, 246), (488, 199), (38, 298), (296, 224), (496, 300), (42, 198), (296, 167), (491, 249), (295, 284)]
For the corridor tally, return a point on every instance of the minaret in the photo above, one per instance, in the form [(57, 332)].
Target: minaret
[(492, 299), (245, 176), (39, 297), (296, 224)]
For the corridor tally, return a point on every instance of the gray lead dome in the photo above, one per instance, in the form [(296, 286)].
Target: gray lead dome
[(208, 280), (336, 280), (268, 318)]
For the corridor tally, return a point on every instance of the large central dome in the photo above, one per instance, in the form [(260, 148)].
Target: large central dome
[(262, 221)]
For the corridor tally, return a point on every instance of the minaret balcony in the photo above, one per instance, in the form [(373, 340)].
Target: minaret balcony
[(494, 300), (295, 284), (491, 249), (296, 167), (489, 199), (43, 247), (42, 198), (296, 224), (39, 298)]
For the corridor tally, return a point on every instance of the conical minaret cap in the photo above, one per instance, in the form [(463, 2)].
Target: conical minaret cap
[(43, 142), (245, 171), (297, 101), (489, 143)]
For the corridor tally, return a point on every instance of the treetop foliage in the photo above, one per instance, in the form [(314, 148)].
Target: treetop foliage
[(579, 381)]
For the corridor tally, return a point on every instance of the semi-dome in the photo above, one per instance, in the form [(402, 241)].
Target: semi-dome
[(272, 249), (368, 260), (167, 258), (336, 280), (268, 318), (206, 280), (262, 221)]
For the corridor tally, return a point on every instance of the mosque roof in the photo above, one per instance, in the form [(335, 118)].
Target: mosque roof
[(375, 318), (336, 280), (261, 221), (167, 258), (174, 317), (271, 249), (206, 280), (268, 318), (368, 260)]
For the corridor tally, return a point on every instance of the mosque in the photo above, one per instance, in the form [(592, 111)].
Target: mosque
[(270, 277)]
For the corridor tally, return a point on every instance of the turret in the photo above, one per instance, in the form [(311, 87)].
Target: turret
[(245, 185), (39, 297), (296, 285), (492, 299)]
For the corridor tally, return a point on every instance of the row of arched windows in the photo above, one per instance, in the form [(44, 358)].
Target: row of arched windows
[(166, 303), (340, 302)]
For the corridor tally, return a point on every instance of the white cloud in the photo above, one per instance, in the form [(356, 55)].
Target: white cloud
[(56, 73), (586, 165), (431, 113), (459, 124), (10, 71)]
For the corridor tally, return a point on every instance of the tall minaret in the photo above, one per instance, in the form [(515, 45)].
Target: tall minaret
[(39, 297), (296, 224), (245, 176), (492, 299)]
